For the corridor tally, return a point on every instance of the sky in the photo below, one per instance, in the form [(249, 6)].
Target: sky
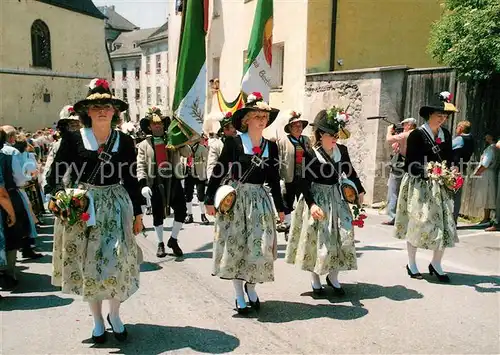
[(142, 13)]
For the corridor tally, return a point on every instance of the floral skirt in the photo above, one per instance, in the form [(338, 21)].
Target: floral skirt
[(243, 242), (424, 216), (326, 245), (99, 262)]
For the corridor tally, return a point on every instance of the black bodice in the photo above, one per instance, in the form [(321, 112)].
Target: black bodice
[(121, 168), (419, 151), (234, 155)]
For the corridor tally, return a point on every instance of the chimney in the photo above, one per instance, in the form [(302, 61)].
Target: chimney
[(112, 7)]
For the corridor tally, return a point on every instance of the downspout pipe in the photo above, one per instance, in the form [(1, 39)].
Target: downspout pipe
[(333, 32)]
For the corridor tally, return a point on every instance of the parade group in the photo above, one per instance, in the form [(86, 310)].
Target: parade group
[(100, 180)]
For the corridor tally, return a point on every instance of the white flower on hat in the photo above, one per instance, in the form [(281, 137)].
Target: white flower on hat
[(342, 117), (93, 83), (446, 95), (254, 96)]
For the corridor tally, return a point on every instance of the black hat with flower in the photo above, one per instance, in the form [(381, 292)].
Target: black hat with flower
[(333, 121), (99, 94), (153, 115), (255, 102), (226, 120), (294, 116), (439, 103)]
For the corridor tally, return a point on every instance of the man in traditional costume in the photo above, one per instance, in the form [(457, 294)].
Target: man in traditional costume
[(159, 170), (292, 148)]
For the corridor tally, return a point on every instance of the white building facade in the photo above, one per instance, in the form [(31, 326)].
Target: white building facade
[(140, 67)]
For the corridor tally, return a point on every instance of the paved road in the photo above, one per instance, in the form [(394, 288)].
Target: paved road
[(181, 308)]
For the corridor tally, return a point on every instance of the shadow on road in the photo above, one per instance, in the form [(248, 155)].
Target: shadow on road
[(147, 266), (46, 259), (482, 284), (29, 282), (157, 339), (355, 293), (284, 311), (25, 303), (199, 255)]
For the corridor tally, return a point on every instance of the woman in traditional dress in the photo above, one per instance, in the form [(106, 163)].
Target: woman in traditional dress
[(424, 215), (99, 259), (321, 238), (245, 245)]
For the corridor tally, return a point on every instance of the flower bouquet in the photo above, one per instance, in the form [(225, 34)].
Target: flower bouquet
[(70, 206), (449, 178), (359, 216)]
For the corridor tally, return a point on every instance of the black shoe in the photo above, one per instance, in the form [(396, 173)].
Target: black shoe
[(160, 253), (442, 278), (189, 219), (172, 244), (339, 291), (255, 305), (282, 228), (100, 339), (119, 336), (30, 254), (241, 310), (318, 291), (204, 220), (417, 275)]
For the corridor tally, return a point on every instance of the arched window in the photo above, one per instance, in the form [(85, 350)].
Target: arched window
[(40, 45)]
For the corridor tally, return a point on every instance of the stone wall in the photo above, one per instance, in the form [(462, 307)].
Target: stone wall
[(367, 92)]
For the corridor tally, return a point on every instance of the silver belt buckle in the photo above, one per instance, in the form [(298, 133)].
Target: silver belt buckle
[(257, 161), (104, 156)]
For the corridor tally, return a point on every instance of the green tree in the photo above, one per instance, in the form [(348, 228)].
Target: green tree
[(467, 38)]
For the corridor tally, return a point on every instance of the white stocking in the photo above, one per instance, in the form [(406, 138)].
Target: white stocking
[(159, 233), (96, 310), (252, 295), (114, 315), (412, 258), (315, 281), (436, 261), (333, 276), (240, 293)]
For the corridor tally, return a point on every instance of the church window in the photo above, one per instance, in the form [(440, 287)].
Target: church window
[(40, 45)]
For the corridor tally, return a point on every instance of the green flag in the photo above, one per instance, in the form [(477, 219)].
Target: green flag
[(257, 68), (191, 81)]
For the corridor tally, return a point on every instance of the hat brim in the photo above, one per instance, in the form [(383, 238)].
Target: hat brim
[(343, 133), (448, 108), (304, 124), (240, 114), (81, 106), (146, 121)]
